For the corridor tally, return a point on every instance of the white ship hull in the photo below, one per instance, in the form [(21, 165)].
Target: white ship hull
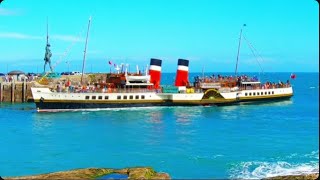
[(47, 100)]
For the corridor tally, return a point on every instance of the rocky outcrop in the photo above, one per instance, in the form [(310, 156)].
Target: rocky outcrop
[(95, 173), (295, 177)]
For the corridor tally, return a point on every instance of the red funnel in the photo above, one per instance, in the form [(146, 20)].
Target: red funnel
[(155, 72), (182, 73)]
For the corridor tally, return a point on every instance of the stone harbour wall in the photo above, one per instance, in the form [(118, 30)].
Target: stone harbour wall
[(15, 91)]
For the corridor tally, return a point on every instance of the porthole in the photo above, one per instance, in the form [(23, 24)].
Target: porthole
[(93, 97), (118, 97), (87, 97)]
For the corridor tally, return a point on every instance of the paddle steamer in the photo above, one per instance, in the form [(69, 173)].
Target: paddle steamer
[(140, 90), (124, 89)]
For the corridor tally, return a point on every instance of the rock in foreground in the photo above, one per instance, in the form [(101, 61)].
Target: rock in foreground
[(295, 177), (95, 173)]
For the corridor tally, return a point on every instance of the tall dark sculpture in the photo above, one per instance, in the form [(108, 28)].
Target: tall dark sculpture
[(47, 57), (48, 54)]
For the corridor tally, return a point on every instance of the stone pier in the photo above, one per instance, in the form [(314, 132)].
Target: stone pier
[(16, 91)]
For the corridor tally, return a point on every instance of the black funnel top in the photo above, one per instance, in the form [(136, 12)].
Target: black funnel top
[(183, 62), (156, 62)]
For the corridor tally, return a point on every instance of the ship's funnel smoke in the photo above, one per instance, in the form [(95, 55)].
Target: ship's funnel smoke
[(155, 72), (182, 73)]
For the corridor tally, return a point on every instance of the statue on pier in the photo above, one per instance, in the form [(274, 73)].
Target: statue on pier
[(47, 57), (48, 54)]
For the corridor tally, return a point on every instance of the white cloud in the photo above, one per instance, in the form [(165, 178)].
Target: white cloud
[(8, 12), (14, 35), (67, 38)]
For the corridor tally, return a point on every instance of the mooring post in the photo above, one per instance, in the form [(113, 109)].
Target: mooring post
[(12, 90), (24, 90)]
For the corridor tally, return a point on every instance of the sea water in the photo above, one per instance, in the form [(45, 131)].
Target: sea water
[(240, 141)]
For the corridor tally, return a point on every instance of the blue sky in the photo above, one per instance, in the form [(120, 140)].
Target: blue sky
[(285, 33)]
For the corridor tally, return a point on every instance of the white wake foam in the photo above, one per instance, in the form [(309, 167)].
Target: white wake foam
[(258, 170), (279, 166)]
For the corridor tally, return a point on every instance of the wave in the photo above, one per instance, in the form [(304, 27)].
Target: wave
[(313, 87), (259, 170), (313, 154), (279, 166)]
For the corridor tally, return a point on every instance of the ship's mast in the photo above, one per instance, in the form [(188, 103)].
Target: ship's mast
[(236, 71), (85, 50)]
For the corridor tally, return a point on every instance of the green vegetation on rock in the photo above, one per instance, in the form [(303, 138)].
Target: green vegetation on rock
[(94, 173)]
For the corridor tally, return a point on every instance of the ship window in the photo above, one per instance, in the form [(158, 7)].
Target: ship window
[(269, 92), (254, 93), (265, 93), (106, 97), (249, 94), (246, 94), (87, 97), (137, 96), (142, 96), (93, 97), (272, 92), (130, 97), (100, 97), (125, 97), (261, 93), (258, 93), (118, 97)]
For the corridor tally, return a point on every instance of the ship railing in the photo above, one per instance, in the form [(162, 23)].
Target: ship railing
[(216, 80), (225, 79), (265, 86), (105, 90), (224, 90), (134, 90)]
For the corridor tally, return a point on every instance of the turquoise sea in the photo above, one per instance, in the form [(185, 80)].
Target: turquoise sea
[(240, 141)]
